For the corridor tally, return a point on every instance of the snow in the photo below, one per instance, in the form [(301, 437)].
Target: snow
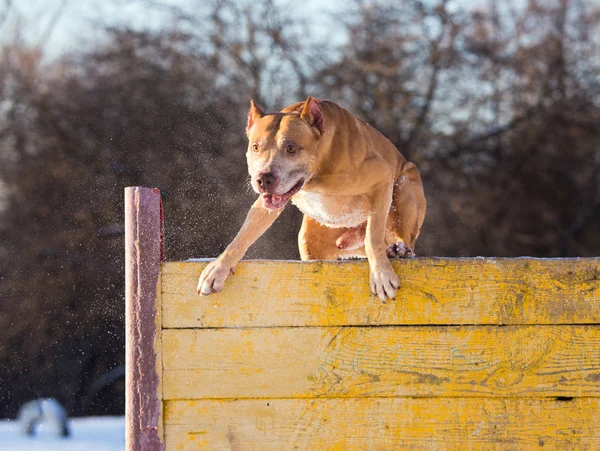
[(44, 410), (87, 434)]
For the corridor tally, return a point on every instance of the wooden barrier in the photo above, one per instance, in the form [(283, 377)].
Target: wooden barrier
[(473, 354)]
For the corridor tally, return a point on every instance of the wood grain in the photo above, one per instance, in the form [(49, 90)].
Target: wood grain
[(434, 291), (298, 355), (382, 361), (143, 250), (383, 424)]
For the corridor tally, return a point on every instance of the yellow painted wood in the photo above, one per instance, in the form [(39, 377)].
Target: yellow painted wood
[(158, 351), (434, 291), (382, 361), (237, 376), (384, 424)]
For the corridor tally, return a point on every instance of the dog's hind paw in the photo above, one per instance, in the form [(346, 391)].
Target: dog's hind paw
[(399, 250)]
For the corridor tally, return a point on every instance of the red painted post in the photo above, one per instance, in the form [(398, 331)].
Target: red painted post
[(143, 255)]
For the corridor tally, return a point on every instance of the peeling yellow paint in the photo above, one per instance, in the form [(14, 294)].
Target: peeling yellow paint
[(473, 354), (158, 346), (390, 424), (433, 291), (382, 361)]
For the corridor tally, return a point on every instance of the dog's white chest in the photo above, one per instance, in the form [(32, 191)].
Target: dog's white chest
[(332, 211)]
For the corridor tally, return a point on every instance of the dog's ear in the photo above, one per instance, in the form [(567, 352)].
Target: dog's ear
[(253, 113), (313, 114)]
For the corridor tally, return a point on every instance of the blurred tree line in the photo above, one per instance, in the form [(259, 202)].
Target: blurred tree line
[(498, 105)]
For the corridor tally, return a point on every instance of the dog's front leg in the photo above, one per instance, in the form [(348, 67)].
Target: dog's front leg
[(257, 221), (384, 281)]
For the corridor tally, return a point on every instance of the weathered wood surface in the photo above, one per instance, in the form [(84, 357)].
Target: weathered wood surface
[(382, 361), (143, 252), (433, 291), (299, 355), (384, 424)]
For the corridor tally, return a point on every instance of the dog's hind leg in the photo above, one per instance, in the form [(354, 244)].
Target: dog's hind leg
[(353, 238), (319, 242), (407, 213)]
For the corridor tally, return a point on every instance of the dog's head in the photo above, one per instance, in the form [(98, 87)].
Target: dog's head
[(282, 151)]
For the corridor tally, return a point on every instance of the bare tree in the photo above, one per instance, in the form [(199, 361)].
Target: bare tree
[(499, 106)]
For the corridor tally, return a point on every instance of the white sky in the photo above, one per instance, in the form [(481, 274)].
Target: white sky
[(77, 24)]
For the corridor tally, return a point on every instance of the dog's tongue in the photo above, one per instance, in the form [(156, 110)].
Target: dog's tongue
[(274, 202)]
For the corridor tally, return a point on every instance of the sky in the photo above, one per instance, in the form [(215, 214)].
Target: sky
[(64, 26), (67, 25)]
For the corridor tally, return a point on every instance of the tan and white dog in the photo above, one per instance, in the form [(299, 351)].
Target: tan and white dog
[(359, 195)]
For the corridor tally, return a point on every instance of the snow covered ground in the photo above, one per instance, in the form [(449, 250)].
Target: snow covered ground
[(87, 434)]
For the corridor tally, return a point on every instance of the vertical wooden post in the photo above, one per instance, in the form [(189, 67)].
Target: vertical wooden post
[(143, 255)]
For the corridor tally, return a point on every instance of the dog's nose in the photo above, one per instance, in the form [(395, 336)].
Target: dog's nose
[(267, 180)]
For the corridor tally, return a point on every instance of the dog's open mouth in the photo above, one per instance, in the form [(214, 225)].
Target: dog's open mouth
[(276, 201)]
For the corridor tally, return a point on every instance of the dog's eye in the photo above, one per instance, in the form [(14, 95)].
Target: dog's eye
[(255, 147), (290, 148)]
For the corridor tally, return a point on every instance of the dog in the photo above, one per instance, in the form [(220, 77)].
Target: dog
[(360, 197)]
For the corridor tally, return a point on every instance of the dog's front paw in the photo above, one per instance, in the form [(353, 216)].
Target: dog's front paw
[(213, 277), (384, 281)]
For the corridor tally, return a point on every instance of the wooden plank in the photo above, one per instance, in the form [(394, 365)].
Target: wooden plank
[(143, 253), (382, 361), (383, 424), (434, 291)]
